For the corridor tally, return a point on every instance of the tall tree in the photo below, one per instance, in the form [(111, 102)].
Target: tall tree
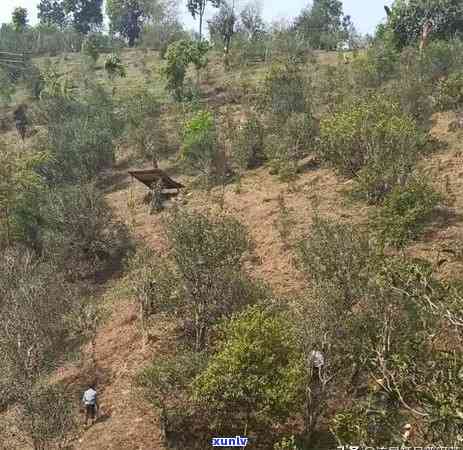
[(85, 15), (251, 20), (19, 18), (321, 24), (222, 25), (406, 19), (127, 17), (197, 8), (51, 12)]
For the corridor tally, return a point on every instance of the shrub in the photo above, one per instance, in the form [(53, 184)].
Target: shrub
[(90, 47), (255, 377), (338, 254), (200, 147), (178, 57), (371, 140), (450, 92), (405, 211), (378, 65), (247, 147), (113, 67), (80, 134), (78, 230), (284, 90), (290, 141), (7, 88)]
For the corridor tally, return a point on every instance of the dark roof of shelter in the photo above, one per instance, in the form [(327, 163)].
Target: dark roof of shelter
[(148, 177)]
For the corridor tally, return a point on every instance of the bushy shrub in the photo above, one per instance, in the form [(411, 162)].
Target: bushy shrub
[(378, 65), (114, 67), (80, 134), (178, 57), (371, 140), (90, 47), (200, 146), (202, 282), (284, 90), (7, 88), (255, 378), (449, 94), (287, 142), (247, 146), (78, 230), (404, 212), (338, 254)]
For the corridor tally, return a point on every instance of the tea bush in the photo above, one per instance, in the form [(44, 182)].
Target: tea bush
[(405, 211), (247, 146), (449, 94), (371, 140), (284, 90), (255, 377), (200, 147)]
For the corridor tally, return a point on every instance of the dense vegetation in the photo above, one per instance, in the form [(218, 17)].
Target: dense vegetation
[(388, 324)]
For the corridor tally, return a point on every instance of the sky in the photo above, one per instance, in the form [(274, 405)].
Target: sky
[(366, 14)]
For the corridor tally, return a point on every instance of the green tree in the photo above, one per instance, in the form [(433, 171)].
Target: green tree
[(256, 376), (406, 20), (197, 8), (19, 18), (85, 15), (51, 12), (321, 24), (127, 17), (222, 26), (19, 184), (179, 56)]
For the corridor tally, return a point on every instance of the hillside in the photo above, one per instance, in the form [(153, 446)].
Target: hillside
[(128, 421)]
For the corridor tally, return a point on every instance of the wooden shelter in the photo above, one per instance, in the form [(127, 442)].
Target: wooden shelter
[(151, 176)]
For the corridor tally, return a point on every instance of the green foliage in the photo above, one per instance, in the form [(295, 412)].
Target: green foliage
[(290, 141), (255, 376), (198, 8), (84, 15), (247, 147), (406, 20), (51, 12), (371, 140), (114, 67), (80, 134), (200, 147), (405, 211), (171, 377), (208, 256), (338, 254), (127, 16), (78, 230), (90, 47), (19, 186), (178, 57), (291, 130), (378, 64), (56, 424), (19, 18), (284, 90), (450, 92), (286, 444), (7, 88), (321, 24)]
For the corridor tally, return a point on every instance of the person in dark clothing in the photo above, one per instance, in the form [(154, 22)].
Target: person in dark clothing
[(20, 119)]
